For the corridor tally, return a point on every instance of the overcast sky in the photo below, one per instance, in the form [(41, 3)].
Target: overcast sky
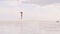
[(33, 9), (42, 2)]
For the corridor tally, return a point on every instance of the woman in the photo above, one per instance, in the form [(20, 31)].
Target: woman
[(21, 15)]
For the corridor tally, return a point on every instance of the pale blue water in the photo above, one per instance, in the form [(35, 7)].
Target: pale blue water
[(29, 27)]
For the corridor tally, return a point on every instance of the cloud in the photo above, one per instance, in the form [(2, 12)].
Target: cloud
[(8, 10), (10, 3), (7, 0), (8, 13), (41, 2), (48, 12)]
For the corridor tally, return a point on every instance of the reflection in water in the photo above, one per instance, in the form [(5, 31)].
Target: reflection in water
[(30, 27)]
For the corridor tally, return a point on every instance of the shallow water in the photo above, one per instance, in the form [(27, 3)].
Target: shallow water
[(29, 27)]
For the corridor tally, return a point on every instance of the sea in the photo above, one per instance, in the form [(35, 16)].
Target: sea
[(29, 27)]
